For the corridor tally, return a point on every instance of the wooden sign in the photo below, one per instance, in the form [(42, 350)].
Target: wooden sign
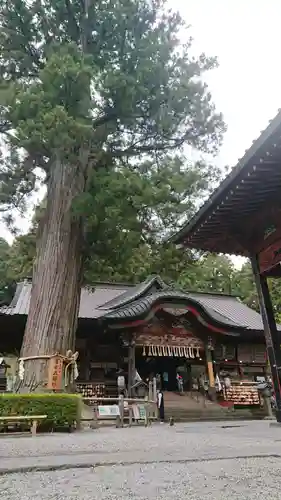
[(136, 412), (142, 412), (139, 412), (173, 337), (109, 411), (55, 372)]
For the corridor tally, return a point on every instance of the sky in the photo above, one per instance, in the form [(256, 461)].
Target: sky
[(246, 87)]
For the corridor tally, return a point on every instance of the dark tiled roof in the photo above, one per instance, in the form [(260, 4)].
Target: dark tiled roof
[(91, 299), (141, 307), (223, 309), (116, 301), (231, 308), (150, 285)]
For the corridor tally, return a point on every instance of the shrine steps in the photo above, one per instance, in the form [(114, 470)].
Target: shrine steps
[(184, 408)]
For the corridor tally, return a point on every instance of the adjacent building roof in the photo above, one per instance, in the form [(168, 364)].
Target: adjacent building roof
[(91, 299), (224, 224), (117, 302)]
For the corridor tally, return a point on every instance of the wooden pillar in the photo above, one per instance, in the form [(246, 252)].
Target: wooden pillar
[(131, 367), (270, 331), (87, 359), (210, 366)]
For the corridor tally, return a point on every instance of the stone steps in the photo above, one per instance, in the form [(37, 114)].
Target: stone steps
[(207, 417), (188, 409)]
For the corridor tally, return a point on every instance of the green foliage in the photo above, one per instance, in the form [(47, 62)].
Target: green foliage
[(6, 284), (21, 258), (243, 282), (47, 114), (128, 212), (96, 83), (105, 94), (214, 273), (62, 410), (274, 285)]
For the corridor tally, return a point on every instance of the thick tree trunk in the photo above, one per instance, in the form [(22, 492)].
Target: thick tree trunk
[(57, 276)]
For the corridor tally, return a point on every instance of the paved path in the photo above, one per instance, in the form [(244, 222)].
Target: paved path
[(188, 461)]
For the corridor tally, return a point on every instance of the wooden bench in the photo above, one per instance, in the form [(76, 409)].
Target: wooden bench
[(32, 420)]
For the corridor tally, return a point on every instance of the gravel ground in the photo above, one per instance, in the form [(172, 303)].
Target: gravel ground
[(195, 461)]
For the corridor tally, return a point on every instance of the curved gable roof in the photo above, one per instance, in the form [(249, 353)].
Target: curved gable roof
[(144, 307), (150, 285)]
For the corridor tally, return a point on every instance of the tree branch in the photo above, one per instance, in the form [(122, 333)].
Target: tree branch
[(107, 117), (5, 127), (137, 150)]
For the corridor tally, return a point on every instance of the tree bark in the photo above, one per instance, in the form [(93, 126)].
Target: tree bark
[(57, 277)]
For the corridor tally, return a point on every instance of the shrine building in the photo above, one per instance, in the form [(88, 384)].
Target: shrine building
[(157, 330)]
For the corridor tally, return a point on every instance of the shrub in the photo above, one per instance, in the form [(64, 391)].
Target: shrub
[(62, 410)]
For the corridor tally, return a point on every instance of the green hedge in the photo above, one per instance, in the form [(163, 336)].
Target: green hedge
[(62, 410)]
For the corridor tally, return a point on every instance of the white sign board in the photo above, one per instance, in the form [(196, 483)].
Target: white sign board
[(136, 412), (139, 412), (109, 411)]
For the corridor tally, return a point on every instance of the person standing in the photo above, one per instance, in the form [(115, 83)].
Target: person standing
[(158, 380), (160, 406), (180, 382)]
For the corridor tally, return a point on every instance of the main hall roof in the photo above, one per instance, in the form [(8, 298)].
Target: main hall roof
[(117, 302)]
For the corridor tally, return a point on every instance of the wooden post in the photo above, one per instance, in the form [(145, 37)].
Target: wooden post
[(150, 398), (270, 332), (130, 415), (146, 412), (150, 391), (34, 428), (155, 397), (87, 367), (267, 407), (154, 389), (121, 410), (131, 367), (267, 370), (210, 366), (95, 415)]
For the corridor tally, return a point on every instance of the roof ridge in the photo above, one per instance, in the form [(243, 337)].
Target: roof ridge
[(114, 283), (214, 294), (140, 289)]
